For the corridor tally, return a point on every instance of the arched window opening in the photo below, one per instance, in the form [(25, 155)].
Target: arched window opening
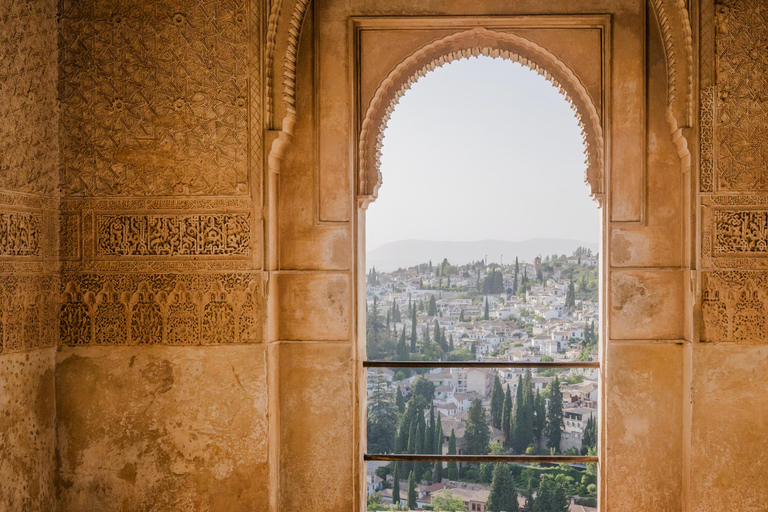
[(482, 294)]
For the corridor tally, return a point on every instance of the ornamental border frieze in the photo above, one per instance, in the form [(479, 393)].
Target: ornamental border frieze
[(198, 204), (161, 309), (734, 306), (172, 235), (28, 312)]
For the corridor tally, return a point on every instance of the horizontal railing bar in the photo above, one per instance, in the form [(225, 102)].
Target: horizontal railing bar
[(583, 459), (480, 364)]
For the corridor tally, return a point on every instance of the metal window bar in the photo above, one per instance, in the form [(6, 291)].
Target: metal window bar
[(392, 457), (480, 364), (577, 459)]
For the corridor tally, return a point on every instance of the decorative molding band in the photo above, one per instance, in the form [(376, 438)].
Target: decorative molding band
[(473, 43), (170, 309), (173, 235), (292, 55), (707, 139), (20, 234)]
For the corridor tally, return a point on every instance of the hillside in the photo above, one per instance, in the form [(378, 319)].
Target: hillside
[(405, 253)]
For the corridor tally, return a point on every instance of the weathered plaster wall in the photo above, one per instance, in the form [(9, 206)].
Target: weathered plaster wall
[(28, 253), (27, 431), (163, 428)]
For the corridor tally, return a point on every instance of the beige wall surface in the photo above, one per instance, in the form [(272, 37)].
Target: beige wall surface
[(180, 184)]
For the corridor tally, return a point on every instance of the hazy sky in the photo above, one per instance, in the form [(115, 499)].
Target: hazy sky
[(479, 149)]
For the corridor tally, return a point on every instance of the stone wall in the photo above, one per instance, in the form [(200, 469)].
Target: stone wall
[(728, 390), (28, 253), (162, 370)]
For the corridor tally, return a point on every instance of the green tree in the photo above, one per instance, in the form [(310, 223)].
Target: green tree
[(437, 442), (554, 427), (429, 435), (461, 316), (590, 435), (522, 423), (452, 471), (414, 334), (539, 416), (506, 416), (432, 308), (445, 500), (529, 500), (374, 502), (476, 432), (450, 343), (382, 415), (401, 353), (497, 402), (424, 388), (503, 492), (395, 486), (400, 401), (412, 491), (517, 271), (486, 315), (437, 473), (550, 497)]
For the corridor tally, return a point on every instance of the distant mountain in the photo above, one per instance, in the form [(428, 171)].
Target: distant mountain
[(406, 253)]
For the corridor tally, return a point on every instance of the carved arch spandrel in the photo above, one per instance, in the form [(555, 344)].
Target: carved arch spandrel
[(675, 26), (475, 42)]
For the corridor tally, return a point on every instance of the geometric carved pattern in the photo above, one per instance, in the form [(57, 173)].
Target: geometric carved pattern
[(28, 113), (735, 306), (155, 101), (741, 232), (28, 309), (707, 127), (172, 235), (742, 107), (172, 309), (20, 233)]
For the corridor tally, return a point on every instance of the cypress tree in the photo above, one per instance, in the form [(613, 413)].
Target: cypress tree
[(452, 472), (473, 350), (412, 491), (476, 432), (411, 444), (432, 308), (517, 270), (539, 416), (438, 436), (450, 343), (518, 423), (503, 492), (506, 416), (400, 400), (402, 349), (395, 486), (437, 472), (417, 465), (554, 426), (497, 402), (414, 335), (461, 316), (528, 406), (429, 436), (486, 315)]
